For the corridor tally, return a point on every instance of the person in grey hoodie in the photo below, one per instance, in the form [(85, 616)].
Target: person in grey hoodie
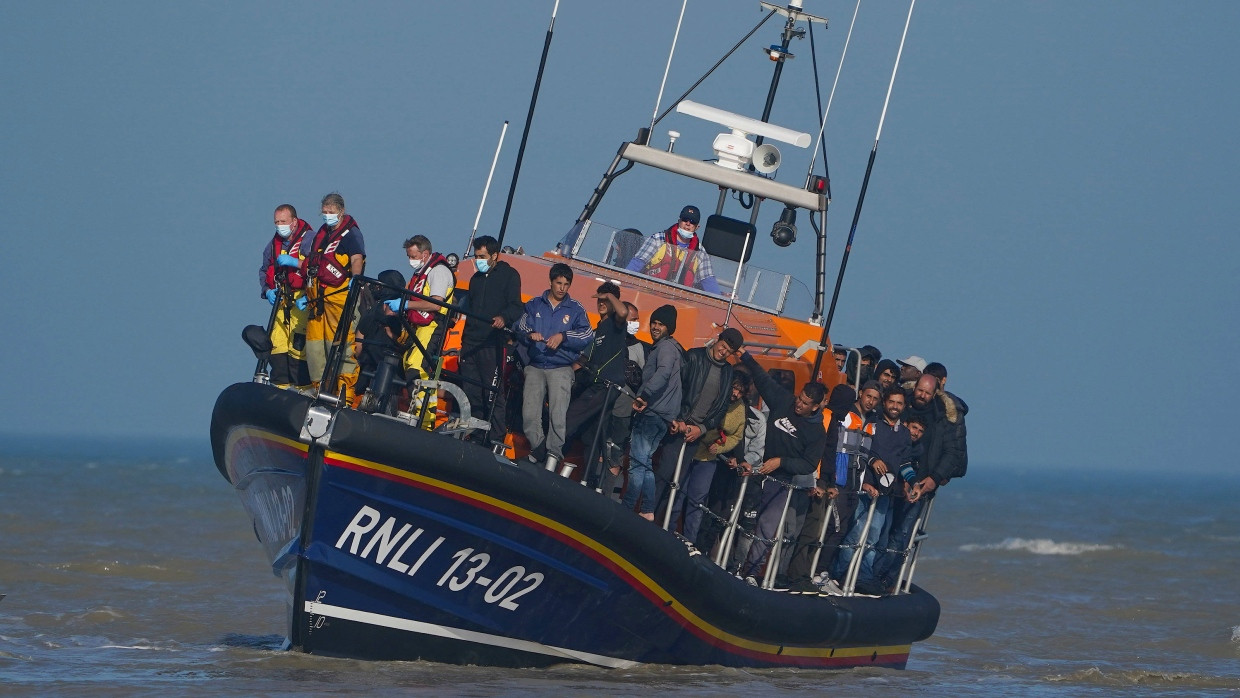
[(656, 405)]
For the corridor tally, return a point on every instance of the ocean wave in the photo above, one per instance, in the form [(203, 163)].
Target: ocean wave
[(1235, 634), (1040, 546), (1130, 677)]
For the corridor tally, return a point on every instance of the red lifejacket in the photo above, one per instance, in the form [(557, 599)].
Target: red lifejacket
[(418, 283), (289, 246), (665, 263), (321, 263)]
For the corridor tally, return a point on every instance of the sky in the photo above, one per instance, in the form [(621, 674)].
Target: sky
[(1051, 214)]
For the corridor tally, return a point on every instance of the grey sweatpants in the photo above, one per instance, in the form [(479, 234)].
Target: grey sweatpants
[(553, 386)]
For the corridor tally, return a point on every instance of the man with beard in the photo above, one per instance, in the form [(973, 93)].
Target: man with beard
[(889, 449), (656, 405), (706, 382), (795, 440), (945, 453), (836, 419)]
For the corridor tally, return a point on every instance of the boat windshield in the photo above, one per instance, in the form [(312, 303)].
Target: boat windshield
[(758, 288)]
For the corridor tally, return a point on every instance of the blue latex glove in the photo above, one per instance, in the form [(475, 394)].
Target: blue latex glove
[(301, 303), (288, 260), (270, 295), (393, 305)]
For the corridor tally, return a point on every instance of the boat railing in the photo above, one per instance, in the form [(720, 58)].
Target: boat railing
[(755, 287), (386, 379), (733, 530)]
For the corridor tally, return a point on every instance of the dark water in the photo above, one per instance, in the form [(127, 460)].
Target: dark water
[(131, 569)]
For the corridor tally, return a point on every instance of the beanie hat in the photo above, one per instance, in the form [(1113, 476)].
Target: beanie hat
[(665, 314), (733, 337), (872, 385)]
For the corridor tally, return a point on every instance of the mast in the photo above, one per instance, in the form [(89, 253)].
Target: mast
[(865, 183), (529, 118)]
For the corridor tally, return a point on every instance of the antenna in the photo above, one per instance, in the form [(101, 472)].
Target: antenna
[(734, 150)]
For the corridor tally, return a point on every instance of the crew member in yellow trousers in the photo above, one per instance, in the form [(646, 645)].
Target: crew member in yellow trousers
[(433, 277), (281, 282), (330, 261)]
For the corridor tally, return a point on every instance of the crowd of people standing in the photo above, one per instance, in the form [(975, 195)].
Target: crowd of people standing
[(831, 473)]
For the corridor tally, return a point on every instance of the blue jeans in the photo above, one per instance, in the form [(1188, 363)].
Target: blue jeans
[(904, 515), (872, 539), (696, 484), (648, 430)]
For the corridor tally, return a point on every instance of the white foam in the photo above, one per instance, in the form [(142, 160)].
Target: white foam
[(1235, 634), (1040, 546)]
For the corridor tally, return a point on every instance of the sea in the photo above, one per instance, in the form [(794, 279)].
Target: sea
[(129, 568)]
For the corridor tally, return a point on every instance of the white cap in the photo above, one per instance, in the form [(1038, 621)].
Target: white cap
[(915, 361)]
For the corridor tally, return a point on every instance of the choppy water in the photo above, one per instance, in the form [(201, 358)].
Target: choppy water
[(131, 569)]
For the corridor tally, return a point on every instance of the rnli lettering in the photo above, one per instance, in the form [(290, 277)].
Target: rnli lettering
[(389, 542)]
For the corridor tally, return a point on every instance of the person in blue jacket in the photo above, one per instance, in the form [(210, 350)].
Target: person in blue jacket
[(554, 329)]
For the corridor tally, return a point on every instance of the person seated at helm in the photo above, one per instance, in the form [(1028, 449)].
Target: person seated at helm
[(675, 255)]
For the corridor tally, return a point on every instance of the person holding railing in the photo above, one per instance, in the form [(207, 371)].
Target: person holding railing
[(282, 283), (330, 259), (795, 439), (890, 449), (675, 255), (555, 329), (495, 293), (433, 277)]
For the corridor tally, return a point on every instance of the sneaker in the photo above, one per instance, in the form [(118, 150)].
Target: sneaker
[(870, 588), (803, 586), (830, 588), (751, 581)]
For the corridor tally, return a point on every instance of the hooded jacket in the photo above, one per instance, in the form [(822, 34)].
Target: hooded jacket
[(661, 387), (796, 440), (945, 453)]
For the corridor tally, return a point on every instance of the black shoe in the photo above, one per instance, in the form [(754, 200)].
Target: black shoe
[(539, 456), (803, 586), (871, 588)]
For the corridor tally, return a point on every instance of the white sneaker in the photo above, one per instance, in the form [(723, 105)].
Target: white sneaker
[(830, 588)]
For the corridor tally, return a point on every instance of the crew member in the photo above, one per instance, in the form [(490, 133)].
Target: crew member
[(433, 277), (675, 255), (281, 282), (330, 260)]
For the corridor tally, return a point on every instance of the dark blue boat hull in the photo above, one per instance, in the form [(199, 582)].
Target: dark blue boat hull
[(411, 545)]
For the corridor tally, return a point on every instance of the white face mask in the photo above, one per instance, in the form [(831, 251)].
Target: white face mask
[(284, 230), (634, 326), (684, 234), (416, 264), (332, 219)]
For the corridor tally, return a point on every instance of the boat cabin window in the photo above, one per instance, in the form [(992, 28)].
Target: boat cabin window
[(757, 288)]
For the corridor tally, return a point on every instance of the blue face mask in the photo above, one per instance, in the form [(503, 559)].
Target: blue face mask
[(332, 219), (284, 230), (482, 265)]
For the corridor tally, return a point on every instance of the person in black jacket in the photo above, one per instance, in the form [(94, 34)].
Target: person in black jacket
[(706, 387), (795, 439), (495, 293)]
